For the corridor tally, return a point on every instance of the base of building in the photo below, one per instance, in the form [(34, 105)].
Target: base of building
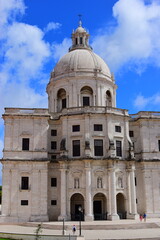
[(39, 218), (62, 217), (113, 217), (132, 216), (88, 218)]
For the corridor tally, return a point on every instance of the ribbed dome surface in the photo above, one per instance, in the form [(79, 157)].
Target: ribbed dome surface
[(81, 60)]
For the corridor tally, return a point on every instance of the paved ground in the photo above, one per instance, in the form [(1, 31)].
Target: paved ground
[(121, 229)]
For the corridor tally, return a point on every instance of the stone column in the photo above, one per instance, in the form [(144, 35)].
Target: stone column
[(6, 196), (132, 190), (14, 193), (35, 200), (63, 204), (88, 202), (44, 194), (112, 192)]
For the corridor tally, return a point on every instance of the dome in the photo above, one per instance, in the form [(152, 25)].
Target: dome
[(80, 30), (81, 60)]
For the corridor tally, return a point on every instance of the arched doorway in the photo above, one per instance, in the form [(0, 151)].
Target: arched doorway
[(77, 201), (100, 207), (121, 210)]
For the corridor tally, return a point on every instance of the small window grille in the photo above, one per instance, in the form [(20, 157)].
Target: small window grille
[(117, 128), (25, 144), (98, 127), (53, 132), (24, 202), (54, 145), (53, 182), (75, 128), (53, 202)]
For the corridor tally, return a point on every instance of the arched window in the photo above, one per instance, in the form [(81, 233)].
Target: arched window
[(61, 99), (86, 96), (108, 99)]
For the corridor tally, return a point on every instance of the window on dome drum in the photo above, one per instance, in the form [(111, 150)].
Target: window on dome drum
[(24, 202), (53, 182), (118, 148), (76, 148), (98, 147), (159, 145), (131, 133), (53, 202), (25, 144), (24, 183), (53, 132), (117, 128), (53, 145), (76, 41), (75, 128), (98, 127), (64, 103), (86, 101)]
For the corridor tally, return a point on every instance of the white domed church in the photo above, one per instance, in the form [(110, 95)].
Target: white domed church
[(82, 156)]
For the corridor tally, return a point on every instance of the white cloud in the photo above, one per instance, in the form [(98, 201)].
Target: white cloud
[(23, 55), (8, 11), (134, 39), (142, 102), (1, 148), (52, 26), (61, 49)]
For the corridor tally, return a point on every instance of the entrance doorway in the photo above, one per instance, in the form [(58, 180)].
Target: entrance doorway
[(77, 202), (99, 207), (121, 210)]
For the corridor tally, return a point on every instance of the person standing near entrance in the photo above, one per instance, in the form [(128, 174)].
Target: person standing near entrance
[(74, 229), (144, 217)]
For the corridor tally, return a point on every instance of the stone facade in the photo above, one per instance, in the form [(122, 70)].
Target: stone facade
[(82, 157)]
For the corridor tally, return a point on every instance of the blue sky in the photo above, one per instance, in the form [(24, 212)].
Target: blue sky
[(35, 34)]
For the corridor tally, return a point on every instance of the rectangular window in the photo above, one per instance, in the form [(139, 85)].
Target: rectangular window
[(53, 182), (86, 101), (75, 128), (131, 133), (53, 132), (118, 148), (98, 127), (25, 144), (64, 103), (81, 40), (24, 202), (53, 157), (53, 202), (135, 181), (117, 128), (53, 145), (76, 148), (24, 183), (159, 145), (98, 147)]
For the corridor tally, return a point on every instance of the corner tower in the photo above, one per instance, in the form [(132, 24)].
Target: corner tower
[(81, 78)]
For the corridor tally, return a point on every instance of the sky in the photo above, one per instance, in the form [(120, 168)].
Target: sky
[(35, 34)]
